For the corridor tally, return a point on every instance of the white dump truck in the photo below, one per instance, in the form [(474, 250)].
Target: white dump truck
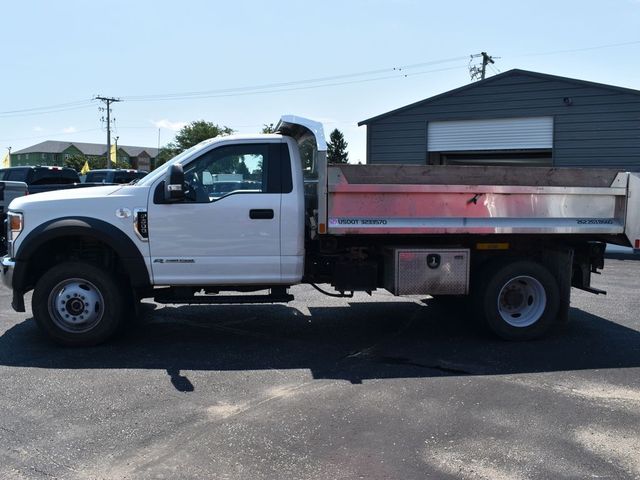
[(512, 240)]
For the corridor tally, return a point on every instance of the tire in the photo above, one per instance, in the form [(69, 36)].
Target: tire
[(78, 304), (519, 300)]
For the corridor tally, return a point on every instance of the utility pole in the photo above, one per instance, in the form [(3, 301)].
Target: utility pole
[(116, 143), (479, 72), (108, 101)]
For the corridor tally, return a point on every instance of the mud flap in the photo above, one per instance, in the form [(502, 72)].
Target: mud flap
[(560, 264)]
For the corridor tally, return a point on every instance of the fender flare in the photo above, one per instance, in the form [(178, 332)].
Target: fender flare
[(128, 252)]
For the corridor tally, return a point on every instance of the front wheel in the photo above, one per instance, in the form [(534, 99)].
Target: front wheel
[(78, 304), (519, 300)]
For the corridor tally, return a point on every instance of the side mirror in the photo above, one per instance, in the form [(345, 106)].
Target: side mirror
[(174, 184)]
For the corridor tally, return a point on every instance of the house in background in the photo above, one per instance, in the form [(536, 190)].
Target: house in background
[(514, 118), (52, 152)]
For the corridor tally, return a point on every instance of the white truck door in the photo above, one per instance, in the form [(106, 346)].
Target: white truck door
[(227, 232)]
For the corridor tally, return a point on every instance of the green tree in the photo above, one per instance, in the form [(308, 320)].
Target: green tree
[(337, 148), (166, 153), (268, 128), (196, 132), (76, 161), (119, 164), (188, 136), (241, 167)]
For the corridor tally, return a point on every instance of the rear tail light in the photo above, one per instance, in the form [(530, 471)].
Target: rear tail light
[(637, 243)]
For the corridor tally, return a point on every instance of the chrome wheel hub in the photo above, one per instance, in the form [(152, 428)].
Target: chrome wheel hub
[(76, 305), (522, 301)]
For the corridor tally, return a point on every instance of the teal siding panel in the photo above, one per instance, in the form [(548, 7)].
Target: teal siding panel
[(601, 126)]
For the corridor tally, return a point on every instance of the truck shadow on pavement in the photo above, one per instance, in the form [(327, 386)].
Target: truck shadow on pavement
[(355, 342)]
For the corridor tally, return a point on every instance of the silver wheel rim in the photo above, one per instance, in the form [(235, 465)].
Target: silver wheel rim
[(522, 301), (76, 305)]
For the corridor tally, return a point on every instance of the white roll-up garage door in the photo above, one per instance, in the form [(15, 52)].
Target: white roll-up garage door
[(494, 134)]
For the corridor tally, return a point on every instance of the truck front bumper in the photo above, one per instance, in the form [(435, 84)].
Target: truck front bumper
[(7, 269), (7, 265)]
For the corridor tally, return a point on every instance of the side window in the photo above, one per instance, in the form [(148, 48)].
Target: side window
[(2, 174), (96, 177), (228, 170), (15, 176), (122, 177)]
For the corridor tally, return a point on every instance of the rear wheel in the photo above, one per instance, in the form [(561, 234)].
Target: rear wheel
[(78, 304), (519, 301)]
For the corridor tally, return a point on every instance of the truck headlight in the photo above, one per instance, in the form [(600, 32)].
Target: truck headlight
[(15, 224)]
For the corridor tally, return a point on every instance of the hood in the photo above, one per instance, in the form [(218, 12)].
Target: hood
[(65, 194)]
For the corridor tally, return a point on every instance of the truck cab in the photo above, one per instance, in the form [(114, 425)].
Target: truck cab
[(231, 232)]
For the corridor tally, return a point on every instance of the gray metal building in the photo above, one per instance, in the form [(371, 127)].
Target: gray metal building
[(516, 117)]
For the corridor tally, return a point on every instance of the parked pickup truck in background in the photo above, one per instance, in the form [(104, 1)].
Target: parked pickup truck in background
[(109, 176), (511, 241), (42, 178)]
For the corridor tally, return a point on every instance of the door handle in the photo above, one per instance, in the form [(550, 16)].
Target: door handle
[(261, 214)]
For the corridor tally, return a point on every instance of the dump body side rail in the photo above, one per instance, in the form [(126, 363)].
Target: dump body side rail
[(478, 200)]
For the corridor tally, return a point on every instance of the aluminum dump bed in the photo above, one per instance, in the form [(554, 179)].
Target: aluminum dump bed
[(407, 199)]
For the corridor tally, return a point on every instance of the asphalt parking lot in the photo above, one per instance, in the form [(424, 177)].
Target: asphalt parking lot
[(373, 387)]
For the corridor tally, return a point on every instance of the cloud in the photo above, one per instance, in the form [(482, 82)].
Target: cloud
[(37, 128), (70, 130), (169, 125)]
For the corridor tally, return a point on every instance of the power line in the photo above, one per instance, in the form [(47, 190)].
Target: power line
[(574, 50), (308, 87), (397, 72), (220, 92), (49, 135), (49, 107), (42, 111)]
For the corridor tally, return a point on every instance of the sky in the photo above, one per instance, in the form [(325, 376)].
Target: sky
[(243, 64)]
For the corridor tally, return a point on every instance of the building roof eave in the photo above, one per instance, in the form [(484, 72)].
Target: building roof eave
[(509, 73)]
